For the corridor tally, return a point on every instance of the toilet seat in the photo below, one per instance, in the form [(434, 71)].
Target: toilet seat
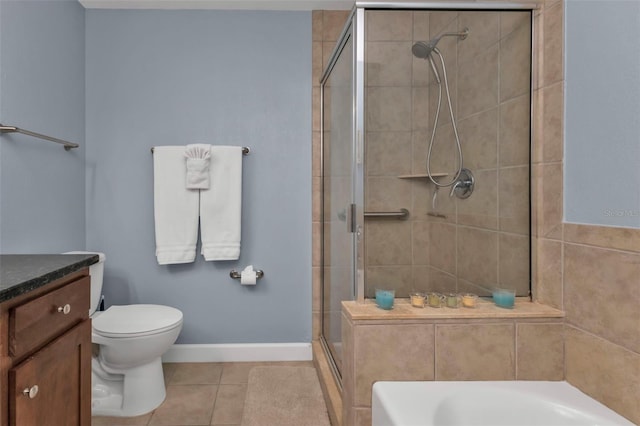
[(136, 320)]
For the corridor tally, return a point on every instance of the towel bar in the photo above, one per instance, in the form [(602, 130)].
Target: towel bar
[(13, 129), (236, 275), (245, 150)]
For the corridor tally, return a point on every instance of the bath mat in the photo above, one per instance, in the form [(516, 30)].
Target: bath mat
[(284, 396)]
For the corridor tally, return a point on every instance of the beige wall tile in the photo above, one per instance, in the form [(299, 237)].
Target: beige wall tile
[(420, 279), (515, 64), (547, 184), (603, 236), (511, 21), (552, 123), (315, 99), (387, 194), (479, 138), (316, 198), (362, 417), (513, 195), (442, 20), (478, 83), (484, 31), (481, 208), (605, 371), (421, 26), (348, 373), (515, 132), (547, 288), (389, 108), (443, 246), (316, 25), (540, 351), (398, 278), (420, 242), (388, 242), (388, 63), (513, 262), (475, 352), (316, 149), (388, 153), (601, 293), (387, 25), (316, 274), (332, 24), (553, 44), (477, 256), (316, 63), (391, 352), (441, 281), (421, 116)]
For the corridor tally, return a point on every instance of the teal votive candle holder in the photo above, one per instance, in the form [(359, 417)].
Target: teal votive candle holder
[(384, 299), (504, 298)]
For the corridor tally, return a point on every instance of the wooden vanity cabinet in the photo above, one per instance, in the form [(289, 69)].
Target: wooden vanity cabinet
[(45, 355)]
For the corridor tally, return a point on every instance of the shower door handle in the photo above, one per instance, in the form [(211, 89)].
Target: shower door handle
[(351, 218)]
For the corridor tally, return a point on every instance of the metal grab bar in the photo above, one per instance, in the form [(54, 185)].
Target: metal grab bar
[(12, 129), (403, 214)]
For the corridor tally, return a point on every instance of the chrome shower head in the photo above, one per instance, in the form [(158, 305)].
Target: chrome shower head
[(422, 49)]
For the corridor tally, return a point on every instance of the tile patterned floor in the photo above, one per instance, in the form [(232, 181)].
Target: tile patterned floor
[(199, 394)]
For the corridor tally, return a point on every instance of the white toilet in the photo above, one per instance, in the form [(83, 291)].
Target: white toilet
[(126, 373)]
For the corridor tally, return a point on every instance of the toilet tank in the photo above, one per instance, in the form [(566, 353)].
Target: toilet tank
[(97, 273)]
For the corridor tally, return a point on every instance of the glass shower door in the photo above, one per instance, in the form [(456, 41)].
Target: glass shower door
[(338, 196)]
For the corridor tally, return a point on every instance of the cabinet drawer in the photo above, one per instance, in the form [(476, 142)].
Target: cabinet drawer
[(34, 323)]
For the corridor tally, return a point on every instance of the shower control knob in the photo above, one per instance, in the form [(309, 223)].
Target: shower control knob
[(31, 392), (65, 309)]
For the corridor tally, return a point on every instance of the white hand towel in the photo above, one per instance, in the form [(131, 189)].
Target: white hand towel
[(198, 156), (175, 207), (221, 205)]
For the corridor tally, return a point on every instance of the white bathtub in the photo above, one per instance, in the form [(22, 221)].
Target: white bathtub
[(508, 403)]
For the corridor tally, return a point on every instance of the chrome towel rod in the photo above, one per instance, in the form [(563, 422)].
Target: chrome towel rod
[(403, 214), (245, 150), (13, 129)]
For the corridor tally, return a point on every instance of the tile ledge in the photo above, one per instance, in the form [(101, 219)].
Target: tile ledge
[(485, 309)]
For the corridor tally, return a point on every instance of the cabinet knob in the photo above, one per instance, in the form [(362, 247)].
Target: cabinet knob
[(65, 309), (31, 392)]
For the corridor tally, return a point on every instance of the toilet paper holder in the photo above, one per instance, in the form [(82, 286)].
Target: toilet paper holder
[(236, 275)]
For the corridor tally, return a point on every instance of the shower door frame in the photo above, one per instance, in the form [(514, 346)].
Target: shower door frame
[(355, 28)]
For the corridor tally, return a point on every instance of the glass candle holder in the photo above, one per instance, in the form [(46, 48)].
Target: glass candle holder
[(435, 300), (469, 300), (504, 297), (453, 300), (384, 298), (417, 299)]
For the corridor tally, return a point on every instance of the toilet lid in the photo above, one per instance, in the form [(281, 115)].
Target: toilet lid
[(134, 320)]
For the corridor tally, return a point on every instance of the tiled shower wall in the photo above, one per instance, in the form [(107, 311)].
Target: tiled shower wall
[(576, 268), (483, 241)]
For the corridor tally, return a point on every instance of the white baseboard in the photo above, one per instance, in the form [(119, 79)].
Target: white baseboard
[(239, 352)]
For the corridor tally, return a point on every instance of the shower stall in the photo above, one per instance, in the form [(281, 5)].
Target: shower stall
[(426, 139)]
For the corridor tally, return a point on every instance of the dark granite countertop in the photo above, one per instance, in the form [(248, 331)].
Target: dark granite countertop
[(22, 273)]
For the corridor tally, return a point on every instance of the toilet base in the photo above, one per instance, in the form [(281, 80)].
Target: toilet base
[(126, 393)]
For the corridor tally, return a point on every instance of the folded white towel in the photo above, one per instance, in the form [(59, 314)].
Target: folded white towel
[(220, 206), (175, 207), (198, 156)]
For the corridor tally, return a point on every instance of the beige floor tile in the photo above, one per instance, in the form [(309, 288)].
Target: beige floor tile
[(186, 405), (229, 404), (234, 373), (121, 421), (196, 373), (168, 369)]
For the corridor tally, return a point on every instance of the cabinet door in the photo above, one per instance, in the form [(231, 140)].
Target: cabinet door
[(53, 387)]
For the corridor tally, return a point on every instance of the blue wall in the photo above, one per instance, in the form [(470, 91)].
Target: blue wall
[(42, 89), (219, 77), (602, 136)]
